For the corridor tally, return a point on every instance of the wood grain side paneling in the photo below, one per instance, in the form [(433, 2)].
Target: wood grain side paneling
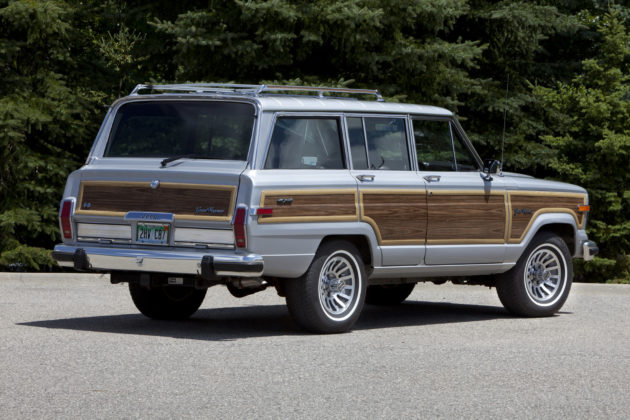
[(185, 201), (466, 217), (327, 205), (397, 217), (526, 206)]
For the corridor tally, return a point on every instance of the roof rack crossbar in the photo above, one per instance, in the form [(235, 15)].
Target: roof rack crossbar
[(251, 89)]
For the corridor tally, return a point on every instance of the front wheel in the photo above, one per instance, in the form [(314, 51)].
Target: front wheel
[(539, 283), (166, 302), (329, 297)]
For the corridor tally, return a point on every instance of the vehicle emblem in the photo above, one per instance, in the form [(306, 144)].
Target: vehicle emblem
[(522, 211), (155, 183), (208, 210)]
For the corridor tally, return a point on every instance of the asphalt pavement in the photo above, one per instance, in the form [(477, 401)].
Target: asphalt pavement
[(74, 346)]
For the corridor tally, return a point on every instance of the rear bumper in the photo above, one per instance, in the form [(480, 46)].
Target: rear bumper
[(212, 264)]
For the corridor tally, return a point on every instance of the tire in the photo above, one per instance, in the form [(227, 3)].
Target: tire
[(329, 297), (388, 294), (166, 302), (539, 283)]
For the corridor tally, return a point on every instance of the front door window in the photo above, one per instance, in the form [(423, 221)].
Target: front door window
[(440, 148)]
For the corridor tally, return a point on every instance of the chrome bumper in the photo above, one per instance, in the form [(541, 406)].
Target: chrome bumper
[(214, 263), (589, 250)]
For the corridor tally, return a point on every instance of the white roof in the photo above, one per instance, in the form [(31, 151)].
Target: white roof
[(293, 103), (288, 103)]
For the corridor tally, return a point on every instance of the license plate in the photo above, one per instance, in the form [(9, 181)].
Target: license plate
[(152, 233)]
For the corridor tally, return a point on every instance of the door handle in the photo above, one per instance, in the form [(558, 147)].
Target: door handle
[(432, 178), (365, 178)]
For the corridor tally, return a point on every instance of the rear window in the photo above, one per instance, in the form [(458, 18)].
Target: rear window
[(212, 130)]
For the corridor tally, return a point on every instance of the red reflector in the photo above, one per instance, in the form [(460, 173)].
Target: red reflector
[(264, 211), (66, 224), (239, 227), (584, 208)]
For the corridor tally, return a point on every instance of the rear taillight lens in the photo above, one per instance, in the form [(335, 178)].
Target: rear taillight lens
[(239, 227), (64, 219)]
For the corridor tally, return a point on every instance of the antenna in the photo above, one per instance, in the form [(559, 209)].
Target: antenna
[(507, 89)]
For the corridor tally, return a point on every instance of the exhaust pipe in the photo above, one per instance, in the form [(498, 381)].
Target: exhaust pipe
[(242, 287)]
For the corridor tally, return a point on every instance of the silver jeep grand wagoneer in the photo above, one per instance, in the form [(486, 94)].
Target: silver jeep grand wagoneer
[(333, 201)]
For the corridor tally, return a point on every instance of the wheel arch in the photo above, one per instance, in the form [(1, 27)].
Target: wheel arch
[(564, 230), (561, 224), (361, 242)]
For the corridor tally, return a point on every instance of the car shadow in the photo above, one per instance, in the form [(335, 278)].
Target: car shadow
[(270, 320)]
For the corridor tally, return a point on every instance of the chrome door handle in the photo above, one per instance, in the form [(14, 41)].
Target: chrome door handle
[(365, 178), (432, 178)]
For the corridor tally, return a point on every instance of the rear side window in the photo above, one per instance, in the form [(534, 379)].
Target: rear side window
[(212, 130), (378, 143), (305, 143)]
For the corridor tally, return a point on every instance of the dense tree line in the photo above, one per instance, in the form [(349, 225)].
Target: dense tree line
[(568, 107)]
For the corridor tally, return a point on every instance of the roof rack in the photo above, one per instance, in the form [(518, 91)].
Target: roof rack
[(254, 90)]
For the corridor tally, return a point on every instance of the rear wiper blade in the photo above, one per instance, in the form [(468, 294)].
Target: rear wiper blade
[(177, 157)]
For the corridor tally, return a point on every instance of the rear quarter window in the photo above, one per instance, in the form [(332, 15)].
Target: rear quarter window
[(305, 143)]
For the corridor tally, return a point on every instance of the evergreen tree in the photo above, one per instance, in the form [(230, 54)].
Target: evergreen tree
[(588, 142), (44, 118), (395, 45), (62, 62), (527, 42)]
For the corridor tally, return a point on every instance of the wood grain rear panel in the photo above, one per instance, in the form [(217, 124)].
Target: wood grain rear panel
[(185, 201), (327, 205), (397, 217), (526, 206), (466, 217)]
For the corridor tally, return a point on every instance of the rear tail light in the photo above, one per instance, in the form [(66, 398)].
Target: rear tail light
[(239, 227), (64, 219)]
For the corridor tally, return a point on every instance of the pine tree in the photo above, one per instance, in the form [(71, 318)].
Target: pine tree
[(44, 120), (396, 45), (588, 142)]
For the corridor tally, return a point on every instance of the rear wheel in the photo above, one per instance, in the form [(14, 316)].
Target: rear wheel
[(330, 296), (539, 283), (166, 302), (388, 294)]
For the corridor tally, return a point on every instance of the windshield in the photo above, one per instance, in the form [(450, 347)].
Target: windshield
[(212, 130)]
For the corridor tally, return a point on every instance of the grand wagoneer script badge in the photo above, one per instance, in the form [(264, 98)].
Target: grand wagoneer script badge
[(208, 210)]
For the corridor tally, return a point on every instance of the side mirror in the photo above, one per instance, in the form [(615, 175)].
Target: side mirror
[(490, 166)]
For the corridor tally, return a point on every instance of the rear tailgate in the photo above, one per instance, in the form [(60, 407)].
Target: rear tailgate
[(188, 203)]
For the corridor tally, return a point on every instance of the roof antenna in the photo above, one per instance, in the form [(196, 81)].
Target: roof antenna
[(507, 89)]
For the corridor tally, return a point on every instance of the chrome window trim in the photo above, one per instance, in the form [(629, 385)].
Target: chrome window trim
[(462, 134), (318, 114), (104, 134), (378, 115), (453, 123)]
